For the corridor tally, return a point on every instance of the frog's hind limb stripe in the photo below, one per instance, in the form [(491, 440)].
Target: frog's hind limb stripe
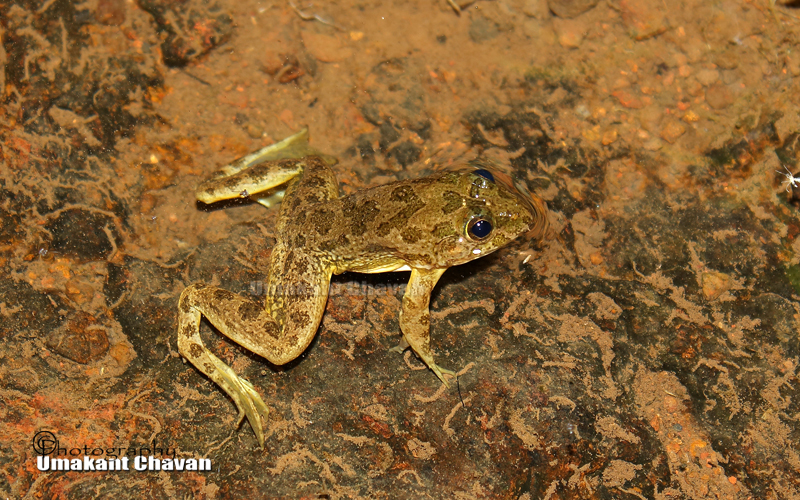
[(253, 180)]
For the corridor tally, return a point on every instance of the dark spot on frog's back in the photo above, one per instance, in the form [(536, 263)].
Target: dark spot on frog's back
[(331, 245), (407, 204), (452, 202), (359, 215), (323, 221), (411, 235), (249, 311), (443, 229), (403, 194)]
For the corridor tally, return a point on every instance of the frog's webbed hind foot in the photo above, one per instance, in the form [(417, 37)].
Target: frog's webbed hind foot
[(247, 400), (426, 358), (439, 371)]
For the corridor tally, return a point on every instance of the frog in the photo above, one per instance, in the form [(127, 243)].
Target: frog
[(423, 225)]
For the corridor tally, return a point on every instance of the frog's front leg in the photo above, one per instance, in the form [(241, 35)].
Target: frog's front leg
[(415, 317), (279, 330)]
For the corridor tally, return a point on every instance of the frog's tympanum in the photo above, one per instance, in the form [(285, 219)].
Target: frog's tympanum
[(422, 225)]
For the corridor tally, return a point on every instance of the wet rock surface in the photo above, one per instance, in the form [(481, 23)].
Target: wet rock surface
[(82, 234), (648, 348), (79, 339)]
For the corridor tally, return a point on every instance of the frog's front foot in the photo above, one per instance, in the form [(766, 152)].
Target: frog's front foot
[(427, 358), (245, 397)]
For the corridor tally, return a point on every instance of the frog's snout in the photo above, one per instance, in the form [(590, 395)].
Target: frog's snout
[(535, 217)]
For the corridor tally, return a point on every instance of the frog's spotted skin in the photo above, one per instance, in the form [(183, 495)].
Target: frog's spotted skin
[(425, 225)]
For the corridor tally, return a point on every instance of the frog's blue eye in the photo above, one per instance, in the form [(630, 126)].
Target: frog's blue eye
[(479, 228), (485, 174)]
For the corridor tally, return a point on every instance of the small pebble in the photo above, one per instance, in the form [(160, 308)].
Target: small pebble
[(628, 99), (715, 284), (719, 96), (707, 76), (536, 8), (567, 9), (609, 136), (644, 19), (568, 32), (672, 131), (482, 29), (254, 131)]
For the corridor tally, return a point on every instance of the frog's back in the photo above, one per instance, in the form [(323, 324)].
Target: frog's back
[(421, 223), (313, 188)]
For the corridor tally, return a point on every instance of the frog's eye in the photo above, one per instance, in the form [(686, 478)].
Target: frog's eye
[(479, 228), (485, 174)]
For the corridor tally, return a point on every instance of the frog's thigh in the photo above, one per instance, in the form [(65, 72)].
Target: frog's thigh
[(247, 323), (318, 184), (296, 294), (415, 316)]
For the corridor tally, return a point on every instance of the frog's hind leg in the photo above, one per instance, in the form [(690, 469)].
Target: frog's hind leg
[(279, 330), (261, 175), (317, 185), (192, 305), (263, 180)]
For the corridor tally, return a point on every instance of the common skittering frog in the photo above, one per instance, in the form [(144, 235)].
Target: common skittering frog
[(422, 225)]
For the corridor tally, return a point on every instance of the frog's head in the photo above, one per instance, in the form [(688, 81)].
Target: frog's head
[(482, 214)]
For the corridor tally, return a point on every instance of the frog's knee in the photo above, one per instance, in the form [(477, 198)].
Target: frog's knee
[(187, 299)]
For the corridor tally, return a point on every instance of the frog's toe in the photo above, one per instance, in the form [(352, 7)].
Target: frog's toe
[(441, 372), (247, 400), (251, 406), (400, 347)]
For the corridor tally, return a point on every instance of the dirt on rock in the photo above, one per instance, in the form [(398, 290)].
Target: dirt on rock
[(649, 348)]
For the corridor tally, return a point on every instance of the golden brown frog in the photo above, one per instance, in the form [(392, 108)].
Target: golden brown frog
[(423, 225)]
